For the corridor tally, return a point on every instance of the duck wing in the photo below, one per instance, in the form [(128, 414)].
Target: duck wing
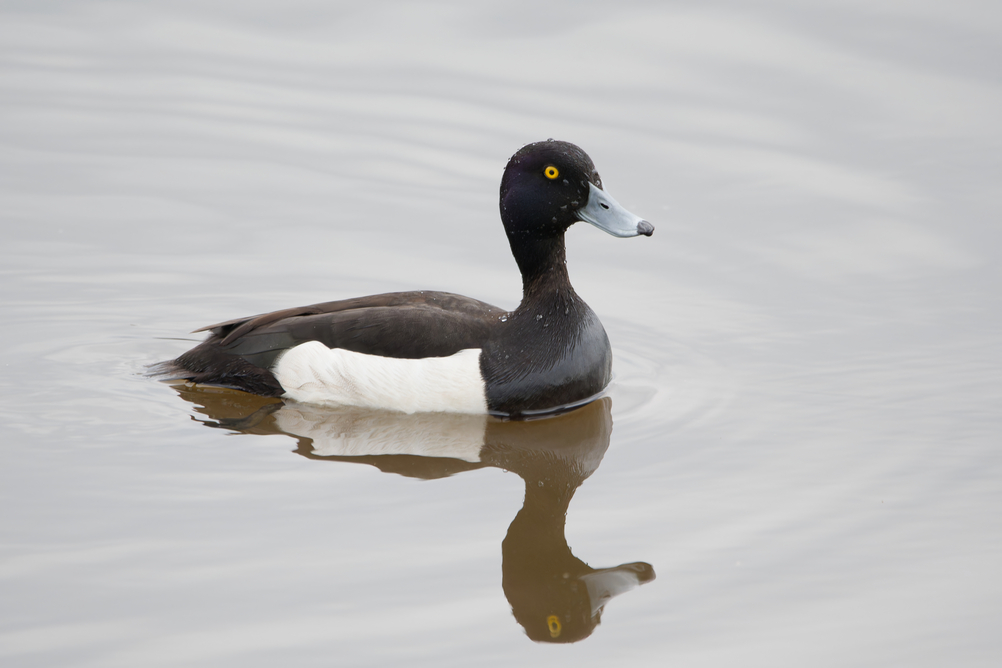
[(407, 325)]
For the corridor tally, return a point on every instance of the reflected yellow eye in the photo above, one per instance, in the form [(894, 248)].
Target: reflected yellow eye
[(551, 172), (553, 622)]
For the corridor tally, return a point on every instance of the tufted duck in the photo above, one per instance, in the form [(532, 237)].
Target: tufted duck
[(437, 351)]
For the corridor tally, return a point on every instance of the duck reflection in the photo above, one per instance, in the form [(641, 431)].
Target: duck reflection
[(555, 596)]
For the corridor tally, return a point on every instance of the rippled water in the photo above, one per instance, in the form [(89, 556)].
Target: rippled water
[(801, 440)]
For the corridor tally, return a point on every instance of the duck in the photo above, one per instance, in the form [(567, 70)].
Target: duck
[(426, 351)]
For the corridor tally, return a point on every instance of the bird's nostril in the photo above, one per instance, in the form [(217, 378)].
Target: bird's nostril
[(604, 205)]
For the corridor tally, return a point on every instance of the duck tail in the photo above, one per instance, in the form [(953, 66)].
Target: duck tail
[(207, 364)]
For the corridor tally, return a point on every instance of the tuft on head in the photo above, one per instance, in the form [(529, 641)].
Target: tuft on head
[(534, 156)]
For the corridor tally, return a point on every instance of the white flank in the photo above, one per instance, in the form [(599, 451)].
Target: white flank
[(351, 431), (314, 373)]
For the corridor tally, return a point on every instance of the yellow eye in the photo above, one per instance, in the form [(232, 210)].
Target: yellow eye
[(551, 172)]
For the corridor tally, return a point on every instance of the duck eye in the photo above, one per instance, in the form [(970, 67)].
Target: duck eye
[(551, 172)]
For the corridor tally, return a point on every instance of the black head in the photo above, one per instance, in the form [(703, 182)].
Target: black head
[(550, 185), (543, 186)]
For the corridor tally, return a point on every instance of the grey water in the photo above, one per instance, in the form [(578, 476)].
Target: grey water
[(798, 462)]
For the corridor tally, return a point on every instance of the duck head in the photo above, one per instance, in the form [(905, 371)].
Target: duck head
[(550, 185)]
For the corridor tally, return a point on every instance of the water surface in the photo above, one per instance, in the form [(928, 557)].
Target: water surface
[(801, 440)]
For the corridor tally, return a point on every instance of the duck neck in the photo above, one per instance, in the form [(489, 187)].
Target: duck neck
[(543, 263)]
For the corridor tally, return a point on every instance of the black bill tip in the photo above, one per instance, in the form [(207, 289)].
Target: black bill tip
[(645, 228)]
